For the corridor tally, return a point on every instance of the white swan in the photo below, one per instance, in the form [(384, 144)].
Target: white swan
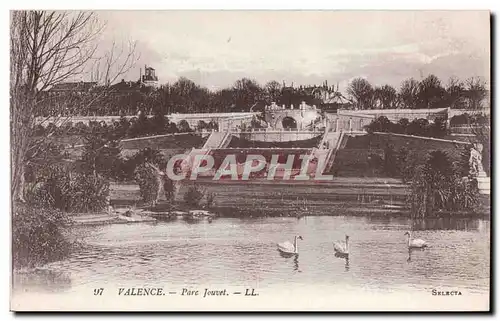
[(416, 243), (341, 247), (289, 248)]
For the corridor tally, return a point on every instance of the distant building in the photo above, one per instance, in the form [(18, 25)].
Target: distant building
[(149, 78), (126, 87), (324, 96), (73, 87)]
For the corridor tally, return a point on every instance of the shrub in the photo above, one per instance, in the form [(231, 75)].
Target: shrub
[(193, 196), (201, 125), (102, 156), (88, 193), (148, 183), (55, 187), (437, 186), (37, 235), (390, 166), (212, 125), (159, 124), (210, 200), (381, 124), (405, 164), (183, 127)]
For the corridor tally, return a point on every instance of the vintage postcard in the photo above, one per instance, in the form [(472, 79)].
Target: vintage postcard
[(250, 160)]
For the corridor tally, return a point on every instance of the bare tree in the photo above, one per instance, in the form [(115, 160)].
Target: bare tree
[(431, 93), (455, 90), (476, 92), (246, 92), (361, 92), (386, 97), (409, 93), (47, 48), (272, 91)]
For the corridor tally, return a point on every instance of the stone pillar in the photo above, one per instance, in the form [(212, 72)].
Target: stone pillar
[(337, 124)]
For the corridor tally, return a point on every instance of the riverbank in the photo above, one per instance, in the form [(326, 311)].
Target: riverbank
[(167, 212), (342, 196), (105, 219)]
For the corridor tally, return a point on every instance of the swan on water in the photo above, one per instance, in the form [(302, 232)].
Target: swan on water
[(342, 247), (289, 248), (416, 243)]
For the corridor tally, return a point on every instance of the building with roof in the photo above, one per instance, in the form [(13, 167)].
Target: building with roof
[(73, 87)]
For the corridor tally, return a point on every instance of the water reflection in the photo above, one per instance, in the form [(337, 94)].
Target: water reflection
[(345, 257), (413, 249), (296, 263), (42, 279), (445, 223), (286, 255)]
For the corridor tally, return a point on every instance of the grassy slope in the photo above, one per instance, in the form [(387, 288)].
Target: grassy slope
[(352, 161)]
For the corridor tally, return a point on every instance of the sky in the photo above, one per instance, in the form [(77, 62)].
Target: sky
[(216, 48)]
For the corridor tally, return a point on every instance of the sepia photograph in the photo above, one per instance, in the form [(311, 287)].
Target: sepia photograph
[(250, 160)]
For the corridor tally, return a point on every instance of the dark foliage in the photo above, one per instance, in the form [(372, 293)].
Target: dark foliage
[(417, 127), (193, 196), (37, 235), (438, 185)]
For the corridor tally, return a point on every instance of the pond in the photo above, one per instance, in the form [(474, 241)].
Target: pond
[(242, 253)]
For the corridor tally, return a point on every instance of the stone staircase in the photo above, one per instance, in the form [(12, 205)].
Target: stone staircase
[(334, 140), (217, 140)]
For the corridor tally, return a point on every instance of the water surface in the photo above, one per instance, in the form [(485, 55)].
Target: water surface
[(242, 252)]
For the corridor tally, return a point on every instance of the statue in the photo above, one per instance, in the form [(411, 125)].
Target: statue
[(475, 160), (165, 185)]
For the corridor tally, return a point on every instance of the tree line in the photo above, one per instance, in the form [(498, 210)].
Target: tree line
[(429, 92), (185, 96)]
